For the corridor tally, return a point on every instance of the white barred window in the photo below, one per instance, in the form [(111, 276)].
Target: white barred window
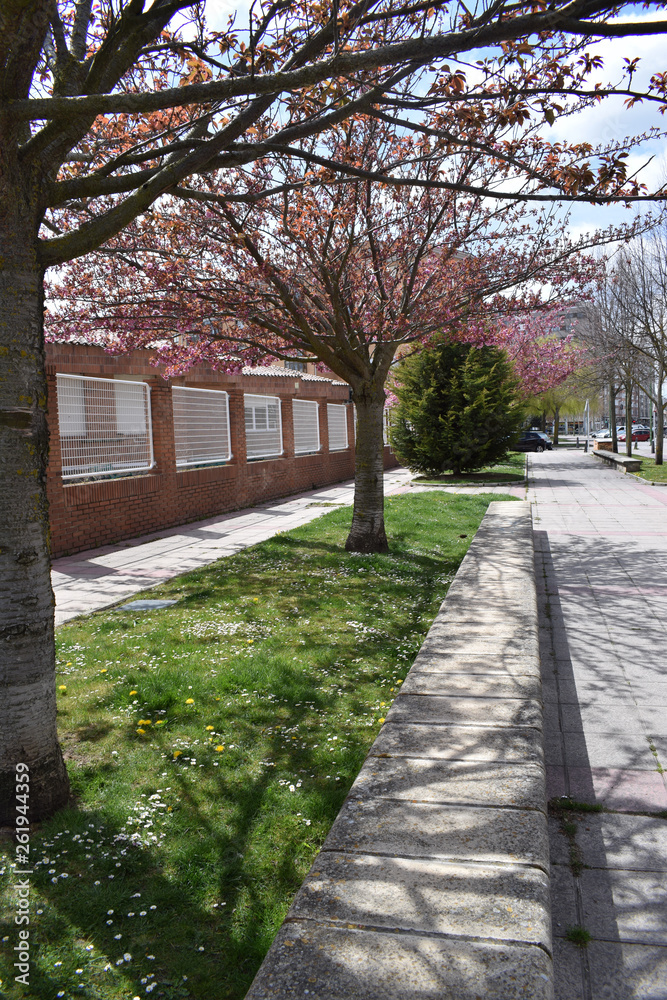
[(105, 426), (263, 426), (201, 426), (306, 426), (337, 419)]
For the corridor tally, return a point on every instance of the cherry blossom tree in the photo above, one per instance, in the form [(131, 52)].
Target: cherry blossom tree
[(107, 105), (350, 272)]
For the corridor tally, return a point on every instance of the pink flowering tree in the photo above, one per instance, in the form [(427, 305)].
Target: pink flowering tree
[(347, 271)]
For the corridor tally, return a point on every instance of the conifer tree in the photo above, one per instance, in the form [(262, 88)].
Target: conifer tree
[(458, 408)]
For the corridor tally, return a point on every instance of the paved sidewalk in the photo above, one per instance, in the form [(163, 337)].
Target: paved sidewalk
[(101, 577), (601, 553)]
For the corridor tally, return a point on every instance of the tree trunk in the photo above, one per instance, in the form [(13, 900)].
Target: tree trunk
[(628, 418), (556, 423), (659, 429), (27, 654), (612, 417), (367, 533)]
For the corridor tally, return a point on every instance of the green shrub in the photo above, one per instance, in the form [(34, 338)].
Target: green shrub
[(457, 408)]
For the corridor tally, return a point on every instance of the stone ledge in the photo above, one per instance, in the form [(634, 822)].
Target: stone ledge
[(433, 881)]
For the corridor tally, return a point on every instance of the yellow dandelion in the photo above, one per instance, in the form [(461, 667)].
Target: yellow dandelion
[(62, 687), (69, 663), (217, 697), (133, 692), (170, 809), (177, 753), (399, 682), (141, 731), (189, 701), (209, 729), (380, 720), (383, 704), (145, 722), (219, 749), (103, 670), (255, 599)]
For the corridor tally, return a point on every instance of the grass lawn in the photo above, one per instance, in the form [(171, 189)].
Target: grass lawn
[(649, 470), (510, 470), (210, 746)]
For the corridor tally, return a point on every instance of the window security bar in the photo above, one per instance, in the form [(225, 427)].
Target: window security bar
[(201, 426), (306, 422), (105, 426), (263, 426), (337, 419)]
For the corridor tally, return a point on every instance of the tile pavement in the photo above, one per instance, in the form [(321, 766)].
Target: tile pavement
[(601, 569)]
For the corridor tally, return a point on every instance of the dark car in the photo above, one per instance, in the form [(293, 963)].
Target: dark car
[(534, 441)]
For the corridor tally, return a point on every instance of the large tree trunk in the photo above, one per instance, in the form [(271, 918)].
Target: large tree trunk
[(556, 423), (628, 418), (367, 533), (27, 655)]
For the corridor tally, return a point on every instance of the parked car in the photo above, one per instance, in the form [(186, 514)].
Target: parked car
[(603, 435), (534, 441), (639, 433)]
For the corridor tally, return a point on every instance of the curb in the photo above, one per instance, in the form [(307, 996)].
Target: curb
[(434, 879)]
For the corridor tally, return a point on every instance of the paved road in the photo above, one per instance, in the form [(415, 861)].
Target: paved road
[(601, 542)]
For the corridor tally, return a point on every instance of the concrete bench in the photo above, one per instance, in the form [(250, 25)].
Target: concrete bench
[(623, 462), (433, 881)]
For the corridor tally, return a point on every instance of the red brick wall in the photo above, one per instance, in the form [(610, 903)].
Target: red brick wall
[(87, 515)]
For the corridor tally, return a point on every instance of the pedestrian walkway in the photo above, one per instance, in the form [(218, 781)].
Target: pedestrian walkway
[(101, 577), (601, 555)]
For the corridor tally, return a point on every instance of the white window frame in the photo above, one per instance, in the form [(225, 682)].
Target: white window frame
[(264, 402), (310, 403), (203, 394), (334, 409), (80, 426)]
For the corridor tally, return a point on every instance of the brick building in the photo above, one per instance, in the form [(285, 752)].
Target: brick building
[(132, 453)]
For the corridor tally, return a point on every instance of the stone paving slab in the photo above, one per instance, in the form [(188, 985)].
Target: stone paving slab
[(627, 971), (440, 710), (470, 782), (419, 829), (468, 643), (600, 719), (459, 743), (619, 788), (625, 842), (330, 963), (488, 902), (563, 899), (477, 663), (615, 750), (426, 679), (568, 970), (625, 905)]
